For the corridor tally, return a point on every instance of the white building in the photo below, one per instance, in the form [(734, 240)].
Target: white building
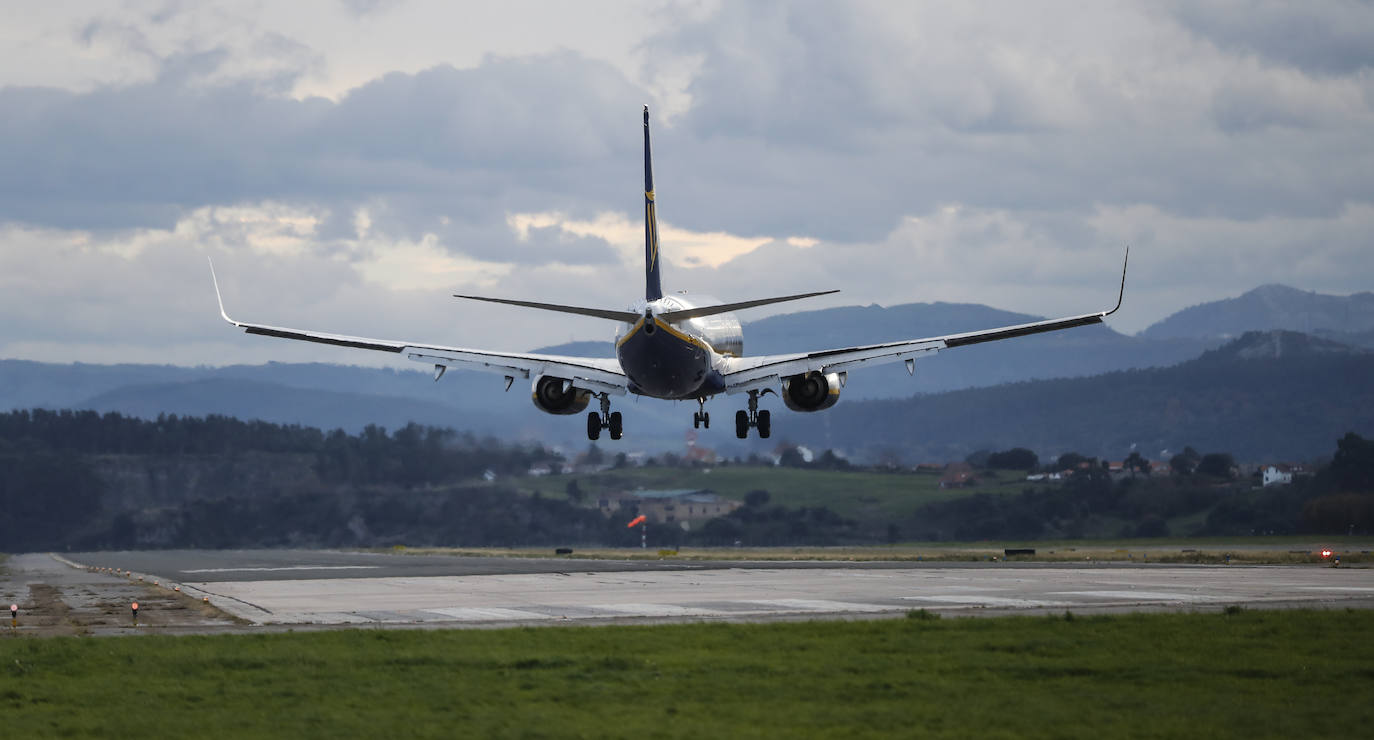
[(1276, 475)]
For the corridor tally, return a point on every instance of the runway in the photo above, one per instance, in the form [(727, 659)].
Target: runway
[(290, 587)]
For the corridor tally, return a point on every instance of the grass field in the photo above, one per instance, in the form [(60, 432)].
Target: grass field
[(1244, 674)]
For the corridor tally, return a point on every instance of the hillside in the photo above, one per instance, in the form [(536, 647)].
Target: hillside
[(1239, 398), (1270, 307)]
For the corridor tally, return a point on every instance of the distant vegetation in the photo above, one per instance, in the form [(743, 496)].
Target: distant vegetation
[(81, 480), (1241, 398)]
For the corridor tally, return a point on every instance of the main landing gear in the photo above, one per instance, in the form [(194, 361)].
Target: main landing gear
[(760, 420), (701, 418), (607, 419)]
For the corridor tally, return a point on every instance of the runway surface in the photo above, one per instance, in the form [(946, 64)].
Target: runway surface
[(326, 588)]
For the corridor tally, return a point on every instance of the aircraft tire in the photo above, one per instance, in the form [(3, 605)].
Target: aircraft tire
[(742, 424), (706, 419), (765, 424), (593, 425), (617, 425)]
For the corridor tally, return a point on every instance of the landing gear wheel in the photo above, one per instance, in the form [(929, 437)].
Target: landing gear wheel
[(593, 425), (765, 424), (706, 419), (696, 420), (742, 424), (616, 425)]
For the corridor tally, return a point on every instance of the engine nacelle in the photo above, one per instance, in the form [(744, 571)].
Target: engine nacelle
[(811, 392), (557, 396)]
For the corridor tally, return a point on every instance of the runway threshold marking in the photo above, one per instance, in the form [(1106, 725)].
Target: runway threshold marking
[(820, 605), (1143, 595), (280, 568), (980, 600)]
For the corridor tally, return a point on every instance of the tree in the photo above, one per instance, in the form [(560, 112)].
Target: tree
[(792, 458), (978, 458), (1352, 467), (756, 499), (1071, 461), (1017, 458), (1136, 463), (574, 491), (1217, 465), (1185, 462)]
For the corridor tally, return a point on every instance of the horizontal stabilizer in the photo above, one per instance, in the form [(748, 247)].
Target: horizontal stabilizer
[(628, 317), (693, 313)]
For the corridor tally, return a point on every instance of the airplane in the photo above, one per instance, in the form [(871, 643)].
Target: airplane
[(676, 348)]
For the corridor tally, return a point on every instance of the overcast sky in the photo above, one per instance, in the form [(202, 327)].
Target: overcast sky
[(349, 164)]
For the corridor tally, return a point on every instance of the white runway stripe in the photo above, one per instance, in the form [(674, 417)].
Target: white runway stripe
[(479, 614), (282, 567), (979, 600), (819, 605), (657, 610), (1135, 596)]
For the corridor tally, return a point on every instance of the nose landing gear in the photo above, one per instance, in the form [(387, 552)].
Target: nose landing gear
[(607, 419), (701, 418), (760, 420)]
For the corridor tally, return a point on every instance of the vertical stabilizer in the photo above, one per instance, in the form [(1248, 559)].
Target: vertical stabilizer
[(653, 287)]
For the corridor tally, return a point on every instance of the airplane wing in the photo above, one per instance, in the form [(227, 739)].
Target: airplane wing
[(596, 375), (754, 373)]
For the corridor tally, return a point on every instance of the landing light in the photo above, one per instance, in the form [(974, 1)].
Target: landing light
[(1326, 552)]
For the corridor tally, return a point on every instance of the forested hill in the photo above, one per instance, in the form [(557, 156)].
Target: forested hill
[(90, 481), (1264, 397)]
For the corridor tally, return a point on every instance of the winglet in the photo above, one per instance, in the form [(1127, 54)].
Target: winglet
[(1122, 295), (218, 297)]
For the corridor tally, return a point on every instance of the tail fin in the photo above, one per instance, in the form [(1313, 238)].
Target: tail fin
[(653, 287)]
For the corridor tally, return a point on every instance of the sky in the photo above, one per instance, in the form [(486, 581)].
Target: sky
[(350, 164)]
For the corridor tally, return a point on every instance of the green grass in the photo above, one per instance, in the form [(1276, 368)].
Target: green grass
[(1242, 674), (858, 495)]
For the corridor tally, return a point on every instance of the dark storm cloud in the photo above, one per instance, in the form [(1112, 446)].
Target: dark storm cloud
[(824, 119), (818, 119), (1328, 38), (444, 144)]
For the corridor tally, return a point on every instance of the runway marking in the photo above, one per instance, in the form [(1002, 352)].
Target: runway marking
[(658, 610), (979, 600), (283, 567), (1142, 595), (478, 614), (1358, 589), (820, 605)]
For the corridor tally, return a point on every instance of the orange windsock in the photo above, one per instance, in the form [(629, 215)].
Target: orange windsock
[(637, 520)]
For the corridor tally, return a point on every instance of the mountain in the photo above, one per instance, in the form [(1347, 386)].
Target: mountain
[(1266, 396), (282, 404), (1084, 351), (322, 395), (291, 393), (1270, 307)]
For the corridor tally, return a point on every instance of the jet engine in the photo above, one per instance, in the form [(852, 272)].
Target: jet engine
[(558, 396), (811, 391)]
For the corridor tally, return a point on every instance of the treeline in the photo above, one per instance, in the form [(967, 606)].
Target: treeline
[(83, 480), (412, 455), (1202, 490)]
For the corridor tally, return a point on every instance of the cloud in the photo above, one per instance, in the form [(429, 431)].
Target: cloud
[(901, 152), (1328, 38)]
